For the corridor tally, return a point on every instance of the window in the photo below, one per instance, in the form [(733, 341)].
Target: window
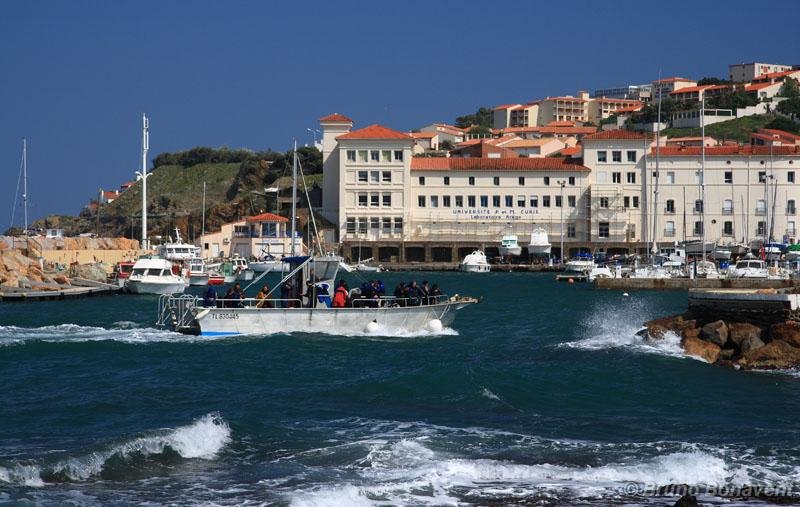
[(374, 199), (521, 180), (601, 156), (698, 206), (631, 177), (446, 180), (351, 225), (635, 201), (631, 155), (762, 176), (484, 201), (459, 201), (545, 201), (570, 230), (547, 180), (398, 157), (616, 177), (626, 201), (761, 207), (387, 199), (362, 155), (509, 201), (472, 180), (670, 207), (362, 199), (434, 201), (761, 229), (471, 201), (363, 176), (375, 176), (398, 222), (387, 176), (422, 181), (559, 201), (727, 228), (374, 223), (790, 208), (669, 229), (616, 156), (571, 201), (386, 225), (728, 176), (572, 180), (790, 176), (496, 201), (790, 230), (534, 201), (362, 225), (445, 201), (386, 155), (351, 157), (496, 180), (698, 228), (727, 207), (520, 201), (421, 201), (604, 202), (603, 230), (671, 177), (374, 156)]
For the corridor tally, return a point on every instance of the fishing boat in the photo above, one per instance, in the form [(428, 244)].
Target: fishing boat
[(197, 274), (241, 269), (475, 263), (539, 245), (122, 270), (154, 275), (509, 246), (305, 305), (749, 267), (581, 264), (177, 250)]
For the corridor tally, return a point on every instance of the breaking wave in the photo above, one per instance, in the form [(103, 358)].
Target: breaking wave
[(203, 439), (123, 331)]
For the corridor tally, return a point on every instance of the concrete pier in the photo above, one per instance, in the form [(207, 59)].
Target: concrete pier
[(687, 283)]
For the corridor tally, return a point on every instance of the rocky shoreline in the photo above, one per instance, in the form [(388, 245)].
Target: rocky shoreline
[(735, 344)]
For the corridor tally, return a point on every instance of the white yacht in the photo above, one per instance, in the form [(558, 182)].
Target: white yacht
[(241, 269), (178, 251), (363, 267), (266, 263), (600, 272), (154, 275), (540, 245), (198, 276), (703, 269), (749, 267), (475, 263), (509, 246), (582, 264)]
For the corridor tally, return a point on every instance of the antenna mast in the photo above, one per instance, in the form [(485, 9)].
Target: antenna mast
[(294, 199)]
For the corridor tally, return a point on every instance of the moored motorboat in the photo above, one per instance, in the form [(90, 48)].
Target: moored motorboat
[(509, 246), (241, 269), (154, 275), (539, 245), (198, 276), (475, 263)]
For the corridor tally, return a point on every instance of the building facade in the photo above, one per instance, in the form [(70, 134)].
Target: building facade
[(745, 72), (256, 236)]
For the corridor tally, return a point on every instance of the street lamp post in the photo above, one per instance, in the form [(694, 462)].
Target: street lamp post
[(313, 135), (562, 183)]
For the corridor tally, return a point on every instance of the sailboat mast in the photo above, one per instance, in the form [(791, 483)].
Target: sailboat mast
[(654, 249), (145, 147), (25, 180), (203, 220), (294, 198), (703, 177)]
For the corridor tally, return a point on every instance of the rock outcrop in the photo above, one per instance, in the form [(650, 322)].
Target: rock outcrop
[(702, 349), (18, 271)]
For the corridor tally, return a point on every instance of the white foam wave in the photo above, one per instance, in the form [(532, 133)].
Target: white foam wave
[(72, 333), (203, 439), (486, 393)]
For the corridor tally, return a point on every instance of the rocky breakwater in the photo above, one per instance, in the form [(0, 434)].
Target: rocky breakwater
[(741, 345), (20, 272)]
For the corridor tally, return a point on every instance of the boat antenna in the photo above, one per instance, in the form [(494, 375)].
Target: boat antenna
[(294, 199)]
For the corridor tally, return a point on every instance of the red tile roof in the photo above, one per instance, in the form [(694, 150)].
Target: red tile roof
[(110, 194), (692, 89), (267, 217), (571, 151), (773, 75), (423, 135), (552, 130), (673, 79), (504, 106), (721, 151), (335, 117), (495, 164), (631, 109), (565, 123), (374, 132), (781, 133), (615, 134), (758, 86)]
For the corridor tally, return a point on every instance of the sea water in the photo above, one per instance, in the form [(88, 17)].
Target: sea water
[(542, 394)]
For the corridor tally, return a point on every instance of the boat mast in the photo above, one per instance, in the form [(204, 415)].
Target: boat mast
[(25, 180), (703, 176), (654, 249), (771, 216), (145, 147), (203, 220), (294, 198)]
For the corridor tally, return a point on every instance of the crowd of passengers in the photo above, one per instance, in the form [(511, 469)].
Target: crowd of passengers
[(370, 294)]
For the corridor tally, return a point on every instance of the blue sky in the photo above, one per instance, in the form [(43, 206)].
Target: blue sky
[(76, 76)]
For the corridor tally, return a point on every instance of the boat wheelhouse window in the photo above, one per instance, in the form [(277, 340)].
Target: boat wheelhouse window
[(398, 155), (386, 176), (363, 176), (324, 269), (350, 226), (398, 225), (139, 271), (351, 155)]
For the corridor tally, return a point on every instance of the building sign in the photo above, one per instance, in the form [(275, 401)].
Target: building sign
[(494, 214)]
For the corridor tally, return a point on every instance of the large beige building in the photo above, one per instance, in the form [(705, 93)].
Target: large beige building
[(745, 72), (578, 109), (393, 206)]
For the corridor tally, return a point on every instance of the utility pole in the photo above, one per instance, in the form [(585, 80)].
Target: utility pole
[(145, 147), (203, 226)]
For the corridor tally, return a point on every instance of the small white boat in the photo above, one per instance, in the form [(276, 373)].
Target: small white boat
[(651, 272), (600, 272), (363, 267), (198, 276), (749, 267), (703, 269), (154, 275), (721, 253), (509, 246), (540, 245), (266, 263), (241, 269), (178, 251), (582, 264), (475, 263)]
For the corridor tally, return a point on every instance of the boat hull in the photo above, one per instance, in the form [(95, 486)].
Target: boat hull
[(514, 251), (539, 249), (338, 321), (198, 280), (475, 268), (147, 287)]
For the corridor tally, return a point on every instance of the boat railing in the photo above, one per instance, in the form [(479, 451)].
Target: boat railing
[(177, 312), (255, 302), (379, 302)]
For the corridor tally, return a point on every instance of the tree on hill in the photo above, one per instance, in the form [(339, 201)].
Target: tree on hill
[(785, 124), (649, 113), (790, 107), (482, 117), (789, 89), (712, 81), (732, 101), (446, 145)]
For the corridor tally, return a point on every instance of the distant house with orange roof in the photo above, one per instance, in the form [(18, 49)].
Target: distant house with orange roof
[(446, 132), (425, 141), (665, 86), (262, 235)]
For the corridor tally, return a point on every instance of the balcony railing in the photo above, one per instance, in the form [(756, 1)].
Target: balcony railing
[(727, 211), (669, 233)]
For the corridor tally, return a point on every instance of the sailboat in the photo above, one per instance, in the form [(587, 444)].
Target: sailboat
[(306, 304), (23, 177)]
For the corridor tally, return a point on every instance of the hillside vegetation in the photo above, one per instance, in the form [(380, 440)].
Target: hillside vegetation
[(738, 129)]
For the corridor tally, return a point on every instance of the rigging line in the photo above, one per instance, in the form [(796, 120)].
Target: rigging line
[(16, 193), (310, 211)]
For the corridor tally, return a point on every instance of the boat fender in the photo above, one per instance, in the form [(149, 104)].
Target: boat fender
[(372, 327), (435, 325), (201, 314), (625, 294)]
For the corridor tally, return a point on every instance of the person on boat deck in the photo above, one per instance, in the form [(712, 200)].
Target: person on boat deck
[(400, 294), (230, 295), (340, 295), (435, 293), (210, 297), (263, 302), (310, 294), (425, 292), (238, 294), (414, 294)]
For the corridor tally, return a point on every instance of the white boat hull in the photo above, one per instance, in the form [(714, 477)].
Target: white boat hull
[(198, 280), (474, 268), (539, 249), (262, 266), (514, 251), (154, 287), (338, 321)]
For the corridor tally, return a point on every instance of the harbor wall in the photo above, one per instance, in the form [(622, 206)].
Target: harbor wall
[(107, 257), (687, 283)]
